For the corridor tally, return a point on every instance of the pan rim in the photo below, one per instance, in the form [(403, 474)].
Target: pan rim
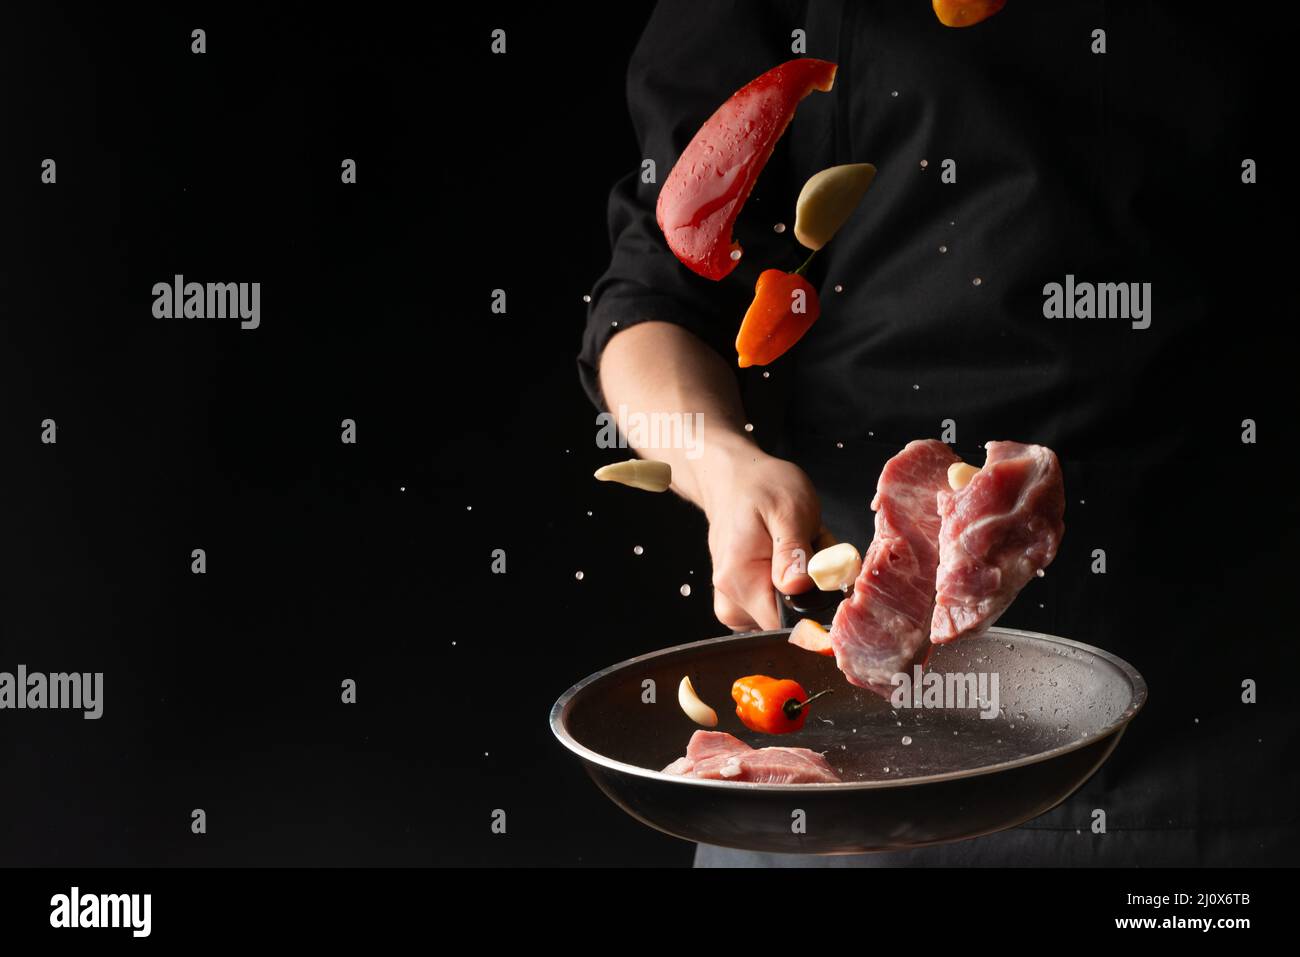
[(559, 727)]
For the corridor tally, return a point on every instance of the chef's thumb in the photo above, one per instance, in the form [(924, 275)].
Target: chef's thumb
[(791, 549)]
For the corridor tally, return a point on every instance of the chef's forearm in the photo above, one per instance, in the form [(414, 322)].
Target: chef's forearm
[(658, 367)]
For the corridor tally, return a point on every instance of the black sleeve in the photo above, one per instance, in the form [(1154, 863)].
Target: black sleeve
[(691, 57)]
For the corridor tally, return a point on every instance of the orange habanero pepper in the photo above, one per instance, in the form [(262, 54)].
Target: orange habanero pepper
[(771, 705), (785, 306), (966, 13)]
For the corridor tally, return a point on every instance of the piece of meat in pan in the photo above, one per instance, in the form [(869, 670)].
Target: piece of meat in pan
[(719, 756), (996, 533), (884, 626)]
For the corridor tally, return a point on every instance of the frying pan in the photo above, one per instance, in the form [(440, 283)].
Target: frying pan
[(911, 777)]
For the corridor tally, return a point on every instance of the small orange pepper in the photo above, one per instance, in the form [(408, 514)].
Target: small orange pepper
[(771, 705), (785, 306), (965, 13)]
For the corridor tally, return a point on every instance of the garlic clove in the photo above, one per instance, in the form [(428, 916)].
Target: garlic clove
[(695, 709), (647, 474), (835, 567)]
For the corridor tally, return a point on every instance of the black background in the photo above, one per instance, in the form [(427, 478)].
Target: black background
[(475, 172)]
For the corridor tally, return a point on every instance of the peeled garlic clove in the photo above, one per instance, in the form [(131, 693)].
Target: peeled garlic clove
[(695, 709), (835, 567), (959, 475), (827, 200), (639, 473)]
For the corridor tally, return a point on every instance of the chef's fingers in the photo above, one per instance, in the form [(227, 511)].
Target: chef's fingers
[(731, 614), (792, 525), (742, 564), (743, 580)]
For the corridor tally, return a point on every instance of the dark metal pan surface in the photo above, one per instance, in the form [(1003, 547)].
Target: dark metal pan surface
[(910, 776)]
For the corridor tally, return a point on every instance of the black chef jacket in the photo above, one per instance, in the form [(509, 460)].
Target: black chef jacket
[(1124, 167)]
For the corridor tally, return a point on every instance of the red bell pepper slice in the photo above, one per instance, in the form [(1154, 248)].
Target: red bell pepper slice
[(704, 193)]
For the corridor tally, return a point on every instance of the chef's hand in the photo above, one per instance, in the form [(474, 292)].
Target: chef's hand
[(764, 519), (763, 512)]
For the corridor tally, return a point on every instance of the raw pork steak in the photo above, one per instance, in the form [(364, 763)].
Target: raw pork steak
[(721, 757), (884, 626), (996, 534)]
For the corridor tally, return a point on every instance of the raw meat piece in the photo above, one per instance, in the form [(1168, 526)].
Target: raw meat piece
[(719, 756), (884, 626), (995, 535)]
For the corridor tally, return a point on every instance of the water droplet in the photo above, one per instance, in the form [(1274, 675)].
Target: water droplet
[(915, 386), (952, 222), (469, 508), (614, 323), (895, 93), (589, 515), (578, 575), (638, 550), (686, 591), (735, 255), (839, 445), (749, 427), (1082, 502), (586, 298), (839, 288), (977, 281), (924, 163), (779, 228), (1040, 573), (943, 249), (907, 739), (401, 488), (766, 374), (886, 770)]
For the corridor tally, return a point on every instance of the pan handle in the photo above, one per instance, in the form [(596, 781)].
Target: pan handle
[(817, 605)]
